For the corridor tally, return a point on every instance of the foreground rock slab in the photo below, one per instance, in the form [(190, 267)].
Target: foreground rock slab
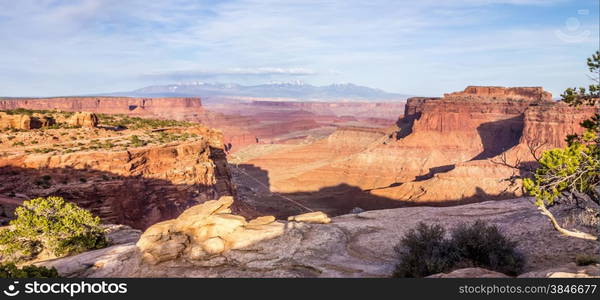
[(470, 273), (206, 241)]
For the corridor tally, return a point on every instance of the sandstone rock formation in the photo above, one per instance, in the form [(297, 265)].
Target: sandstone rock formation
[(469, 273), (243, 123), (83, 119), (312, 217), (356, 245), (381, 110), (570, 270), (15, 121), (40, 120), (545, 126), (168, 108), (444, 150), (204, 231), (138, 186), (501, 93)]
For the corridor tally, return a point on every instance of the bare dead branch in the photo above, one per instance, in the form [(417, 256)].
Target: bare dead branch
[(572, 233)]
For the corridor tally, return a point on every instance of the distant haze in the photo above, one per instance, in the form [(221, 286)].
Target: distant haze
[(283, 90)]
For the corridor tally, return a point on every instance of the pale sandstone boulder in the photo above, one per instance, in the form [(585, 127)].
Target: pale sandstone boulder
[(311, 217), (570, 270), (83, 119), (470, 273), (203, 231), (15, 121)]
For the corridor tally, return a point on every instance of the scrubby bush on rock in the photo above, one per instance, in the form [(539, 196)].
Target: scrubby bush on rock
[(52, 227), (483, 245), (586, 260), (10, 270), (425, 250)]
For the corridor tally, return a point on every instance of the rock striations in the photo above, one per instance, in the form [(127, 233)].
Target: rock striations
[(443, 150), (168, 108), (138, 186)]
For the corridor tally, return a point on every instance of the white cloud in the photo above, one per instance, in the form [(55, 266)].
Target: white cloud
[(70, 47)]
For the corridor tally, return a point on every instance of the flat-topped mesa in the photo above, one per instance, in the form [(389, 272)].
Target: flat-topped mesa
[(501, 93), (179, 108)]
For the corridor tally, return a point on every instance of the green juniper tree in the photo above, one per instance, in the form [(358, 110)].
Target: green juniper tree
[(50, 225), (576, 167)]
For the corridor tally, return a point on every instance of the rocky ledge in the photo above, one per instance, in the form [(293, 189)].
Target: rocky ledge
[(208, 241)]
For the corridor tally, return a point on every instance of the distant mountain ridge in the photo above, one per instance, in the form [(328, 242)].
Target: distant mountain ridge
[(293, 90)]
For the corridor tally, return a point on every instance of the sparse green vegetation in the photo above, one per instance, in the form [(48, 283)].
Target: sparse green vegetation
[(586, 260), (576, 167), (10, 270), (123, 121), (425, 250), (53, 225), (44, 182), (43, 150)]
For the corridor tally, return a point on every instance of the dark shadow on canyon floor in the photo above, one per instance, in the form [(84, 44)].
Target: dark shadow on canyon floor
[(140, 201), (131, 200), (255, 190), (435, 170), (499, 136)]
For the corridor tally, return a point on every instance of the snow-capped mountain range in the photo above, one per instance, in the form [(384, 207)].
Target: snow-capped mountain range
[(292, 90)]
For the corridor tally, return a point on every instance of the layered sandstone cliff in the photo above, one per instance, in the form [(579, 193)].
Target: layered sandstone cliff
[(168, 108), (138, 186), (501, 93), (443, 150)]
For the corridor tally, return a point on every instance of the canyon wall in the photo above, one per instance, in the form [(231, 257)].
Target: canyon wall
[(443, 150), (137, 187), (541, 125), (383, 110), (167, 108)]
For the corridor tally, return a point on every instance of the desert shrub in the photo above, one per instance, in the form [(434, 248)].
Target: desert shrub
[(136, 141), (586, 260), (53, 225), (425, 250), (576, 167), (482, 245), (10, 270)]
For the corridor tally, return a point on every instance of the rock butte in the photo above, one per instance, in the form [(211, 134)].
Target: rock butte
[(442, 150)]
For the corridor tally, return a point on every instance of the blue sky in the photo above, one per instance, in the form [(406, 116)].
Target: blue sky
[(427, 47)]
